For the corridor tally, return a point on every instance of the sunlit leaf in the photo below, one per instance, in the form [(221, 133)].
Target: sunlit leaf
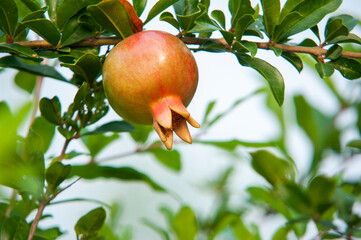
[(271, 12), (139, 6), (220, 18), (159, 7), (185, 224), (170, 159), (168, 17)]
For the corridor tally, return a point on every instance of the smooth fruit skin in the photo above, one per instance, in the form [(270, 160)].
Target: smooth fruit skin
[(149, 78)]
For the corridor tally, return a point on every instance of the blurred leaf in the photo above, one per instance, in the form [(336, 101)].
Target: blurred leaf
[(274, 169), (159, 7), (115, 126), (321, 190), (25, 81), (139, 6), (312, 13), (238, 9), (37, 69), (91, 223), (324, 70), (271, 199), (45, 28), (354, 144), (88, 67), (162, 232), (17, 49), (68, 8), (170, 159), (208, 111), (14, 228), (334, 52), (51, 233), (294, 59), (141, 132), (242, 24), (51, 110), (270, 73), (56, 174), (45, 130), (123, 173), (185, 224), (335, 28), (241, 232), (271, 12), (226, 220), (96, 143), (218, 15), (8, 16), (349, 68), (281, 233), (168, 17), (113, 16), (296, 198), (232, 145), (34, 160)]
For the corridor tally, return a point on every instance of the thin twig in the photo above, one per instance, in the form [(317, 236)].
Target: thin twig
[(96, 42), (38, 216)]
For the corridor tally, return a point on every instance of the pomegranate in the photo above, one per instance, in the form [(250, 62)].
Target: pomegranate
[(149, 78)]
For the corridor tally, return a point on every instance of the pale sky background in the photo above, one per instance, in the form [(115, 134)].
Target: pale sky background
[(221, 79)]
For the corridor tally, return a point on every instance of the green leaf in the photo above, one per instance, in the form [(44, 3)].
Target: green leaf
[(296, 198), (88, 67), (13, 228), (277, 51), (8, 16), (321, 191), (45, 28), (75, 31), (204, 24), (312, 13), (141, 132), (294, 59), (185, 224), (281, 233), (51, 110), (270, 73), (241, 232), (33, 5), (139, 6), (286, 25), (324, 70), (38, 14), (271, 199), (316, 31), (208, 111), (242, 25), (45, 130), (56, 174), (349, 68), (91, 223), (228, 36), (187, 21), (271, 13), (168, 17), (232, 145), (96, 143), (170, 159), (17, 49), (163, 233), (354, 144), (34, 159), (274, 169), (220, 18), (123, 173), (246, 46), (25, 81), (68, 8), (238, 9), (115, 126), (351, 38), (37, 69), (113, 16), (53, 9), (159, 7), (335, 28), (334, 52), (187, 7), (349, 21)]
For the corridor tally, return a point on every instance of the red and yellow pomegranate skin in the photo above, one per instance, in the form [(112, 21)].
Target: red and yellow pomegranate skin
[(149, 78)]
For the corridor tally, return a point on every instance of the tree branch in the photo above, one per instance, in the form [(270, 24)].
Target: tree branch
[(96, 42)]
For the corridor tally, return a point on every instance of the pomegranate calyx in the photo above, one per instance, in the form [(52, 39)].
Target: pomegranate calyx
[(169, 114)]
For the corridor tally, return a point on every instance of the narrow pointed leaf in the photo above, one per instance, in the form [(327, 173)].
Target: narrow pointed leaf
[(115, 126), (8, 16), (270, 73), (123, 173), (159, 7), (139, 6), (17, 49), (37, 69)]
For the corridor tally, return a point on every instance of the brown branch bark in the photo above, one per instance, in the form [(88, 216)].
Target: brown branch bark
[(96, 42)]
